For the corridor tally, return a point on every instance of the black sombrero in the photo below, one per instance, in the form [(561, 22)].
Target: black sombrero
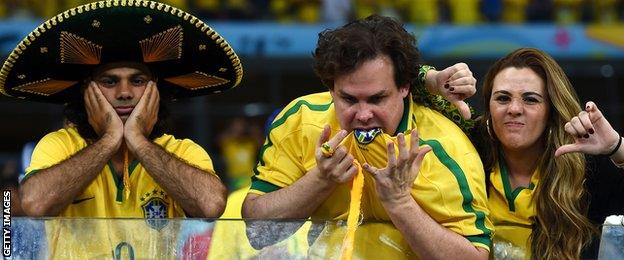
[(189, 57)]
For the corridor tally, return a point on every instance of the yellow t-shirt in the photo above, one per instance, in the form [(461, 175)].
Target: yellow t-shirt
[(104, 198), (239, 154), (450, 186), (511, 211)]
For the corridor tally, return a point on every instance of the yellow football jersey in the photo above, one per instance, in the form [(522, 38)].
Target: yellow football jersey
[(450, 186), (104, 198), (511, 211)]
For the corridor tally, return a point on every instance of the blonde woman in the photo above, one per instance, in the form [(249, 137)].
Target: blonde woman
[(536, 194)]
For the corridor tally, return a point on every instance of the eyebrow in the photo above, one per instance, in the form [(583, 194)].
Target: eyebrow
[(133, 75), (525, 94), (381, 93)]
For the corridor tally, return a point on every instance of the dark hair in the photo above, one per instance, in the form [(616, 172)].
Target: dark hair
[(75, 113), (343, 50)]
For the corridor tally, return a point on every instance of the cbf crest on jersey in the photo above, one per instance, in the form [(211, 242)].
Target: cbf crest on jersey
[(366, 136), (155, 213)]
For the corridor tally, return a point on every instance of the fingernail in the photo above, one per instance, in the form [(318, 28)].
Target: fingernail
[(591, 131), (586, 136), (451, 89), (446, 85)]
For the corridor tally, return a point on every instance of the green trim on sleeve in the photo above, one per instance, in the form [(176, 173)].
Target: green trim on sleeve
[(278, 122), (464, 188), (29, 174), (264, 186), (482, 239)]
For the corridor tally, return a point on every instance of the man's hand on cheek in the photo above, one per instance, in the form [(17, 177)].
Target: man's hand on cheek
[(101, 115), (141, 121)]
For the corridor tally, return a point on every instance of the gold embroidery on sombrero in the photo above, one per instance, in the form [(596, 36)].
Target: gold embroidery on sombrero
[(197, 80), (45, 87), (78, 50), (163, 46), (208, 37)]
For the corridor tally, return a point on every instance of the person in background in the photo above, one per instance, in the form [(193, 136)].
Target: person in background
[(239, 144)]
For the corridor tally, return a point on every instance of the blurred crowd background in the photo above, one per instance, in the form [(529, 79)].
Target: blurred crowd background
[(422, 12), (231, 125)]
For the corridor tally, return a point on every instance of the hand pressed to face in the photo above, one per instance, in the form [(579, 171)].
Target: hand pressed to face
[(591, 131), (130, 96), (102, 117), (337, 167), (394, 182), (144, 116)]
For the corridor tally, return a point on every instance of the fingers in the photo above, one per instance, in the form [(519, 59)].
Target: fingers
[(460, 85), (570, 130), (345, 169), (145, 99), (586, 122), (391, 155), (466, 85), (99, 96), (371, 170), (403, 151), (419, 158), (89, 96), (452, 70), (414, 138), (461, 90), (337, 139), (324, 136), (461, 71), (154, 101), (578, 127), (463, 108), (568, 148), (594, 113)]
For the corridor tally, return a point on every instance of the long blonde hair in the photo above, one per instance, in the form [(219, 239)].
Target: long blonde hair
[(561, 229)]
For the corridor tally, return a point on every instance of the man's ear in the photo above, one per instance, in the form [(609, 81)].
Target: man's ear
[(404, 90), (332, 93)]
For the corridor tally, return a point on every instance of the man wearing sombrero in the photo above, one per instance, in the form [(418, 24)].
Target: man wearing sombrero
[(113, 64)]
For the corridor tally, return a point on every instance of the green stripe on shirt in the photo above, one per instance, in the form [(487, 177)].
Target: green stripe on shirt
[(464, 188)]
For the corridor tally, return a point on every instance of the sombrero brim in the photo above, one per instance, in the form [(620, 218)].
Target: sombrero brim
[(188, 57)]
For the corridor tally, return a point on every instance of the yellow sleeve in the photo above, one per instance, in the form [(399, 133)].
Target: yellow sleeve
[(54, 148), (288, 151), (279, 165), (195, 155), (453, 191)]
